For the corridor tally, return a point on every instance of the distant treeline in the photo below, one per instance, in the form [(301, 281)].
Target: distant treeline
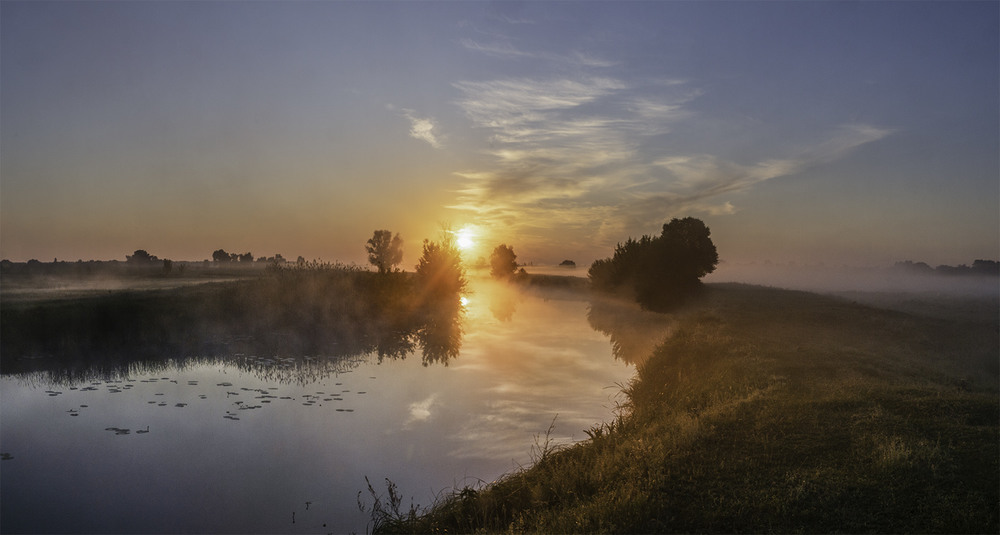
[(116, 268), (978, 267)]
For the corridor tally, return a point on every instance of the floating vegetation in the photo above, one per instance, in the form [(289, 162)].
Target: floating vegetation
[(117, 430), (6, 456)]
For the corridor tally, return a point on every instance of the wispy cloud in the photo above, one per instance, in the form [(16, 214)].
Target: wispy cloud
[(500, 47), (422, 128), (591, 155), (420, 411), (562, 149), (496, 49)]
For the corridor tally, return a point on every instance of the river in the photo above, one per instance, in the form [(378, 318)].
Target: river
[(256, 443)]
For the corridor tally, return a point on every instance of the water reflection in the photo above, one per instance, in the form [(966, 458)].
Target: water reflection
[(634, 332), (503, 305), (440, 336), (264, 415)]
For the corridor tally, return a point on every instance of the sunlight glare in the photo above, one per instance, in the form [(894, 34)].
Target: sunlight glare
[(463, 238)]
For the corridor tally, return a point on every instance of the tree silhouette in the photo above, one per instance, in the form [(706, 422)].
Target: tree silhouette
[(385, 251), (140, 256), (661, 271), (440, 273), (220, 256), (503, 262)]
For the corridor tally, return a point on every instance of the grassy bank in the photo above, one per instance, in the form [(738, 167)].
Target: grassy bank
[(771, 411)]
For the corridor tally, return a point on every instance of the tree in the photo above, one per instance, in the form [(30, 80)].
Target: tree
[(503, 262), (440, 273), (221, 256), (140, 256), (385, 251), (661, 271)]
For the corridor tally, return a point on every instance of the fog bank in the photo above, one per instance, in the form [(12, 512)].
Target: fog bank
[(821, 278)]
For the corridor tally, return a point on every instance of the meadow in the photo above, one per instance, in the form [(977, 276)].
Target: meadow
[(768, 410)]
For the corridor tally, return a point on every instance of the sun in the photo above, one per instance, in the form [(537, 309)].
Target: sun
[(464, 238)]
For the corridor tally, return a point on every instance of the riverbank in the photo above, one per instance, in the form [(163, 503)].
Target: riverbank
[(769, 410)]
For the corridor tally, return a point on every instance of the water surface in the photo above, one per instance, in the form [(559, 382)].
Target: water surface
[(253, 443)]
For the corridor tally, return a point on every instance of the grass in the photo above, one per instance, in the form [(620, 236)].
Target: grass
[(771, 411)]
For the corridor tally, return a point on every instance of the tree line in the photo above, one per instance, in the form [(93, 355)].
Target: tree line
[(978, 267)]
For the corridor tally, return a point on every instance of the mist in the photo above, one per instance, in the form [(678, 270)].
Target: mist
[(829, 279)]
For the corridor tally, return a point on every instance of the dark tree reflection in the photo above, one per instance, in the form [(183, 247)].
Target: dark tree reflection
[(634, 332), (503, 304), (440, 336)]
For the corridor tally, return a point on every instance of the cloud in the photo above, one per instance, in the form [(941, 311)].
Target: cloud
[(496, 49), (561, 149), (420, 411), (422, 128), (591, 158), (500, 47)]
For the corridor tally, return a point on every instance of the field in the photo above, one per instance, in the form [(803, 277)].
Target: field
[(768, 410)]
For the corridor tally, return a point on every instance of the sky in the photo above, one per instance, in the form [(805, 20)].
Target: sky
[(843, 133)]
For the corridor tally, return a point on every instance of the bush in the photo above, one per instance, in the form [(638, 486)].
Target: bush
[(503, 262), (659, 272)]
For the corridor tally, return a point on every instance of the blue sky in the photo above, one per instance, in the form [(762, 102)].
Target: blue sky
[(855, 133)]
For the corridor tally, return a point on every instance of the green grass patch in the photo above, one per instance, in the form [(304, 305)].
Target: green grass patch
[(771, 411)]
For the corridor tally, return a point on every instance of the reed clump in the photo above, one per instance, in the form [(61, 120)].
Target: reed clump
[(771, 411)]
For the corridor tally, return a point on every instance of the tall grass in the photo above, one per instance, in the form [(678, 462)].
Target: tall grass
[(772, 411), (318, 309)]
